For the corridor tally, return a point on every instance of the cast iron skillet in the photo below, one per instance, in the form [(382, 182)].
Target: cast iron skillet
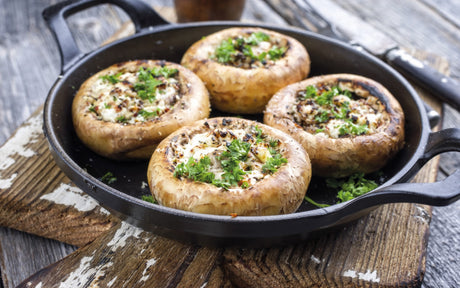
[(157, 39)]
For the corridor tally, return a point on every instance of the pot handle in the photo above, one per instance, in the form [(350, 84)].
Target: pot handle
[(141, 14)]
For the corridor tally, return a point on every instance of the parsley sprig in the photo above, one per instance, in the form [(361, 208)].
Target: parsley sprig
[(347, 188), (356, 185)]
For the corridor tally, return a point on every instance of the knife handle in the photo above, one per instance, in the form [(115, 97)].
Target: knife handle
[(441, 86)]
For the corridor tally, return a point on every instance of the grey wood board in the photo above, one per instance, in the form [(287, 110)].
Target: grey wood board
[(30, 60)]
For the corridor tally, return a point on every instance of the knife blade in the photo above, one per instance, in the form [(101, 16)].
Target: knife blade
[(327, 18)]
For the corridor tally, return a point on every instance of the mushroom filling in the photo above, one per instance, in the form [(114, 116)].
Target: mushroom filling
[(226, 157), (131, 97), (252, 50), (337, 112)]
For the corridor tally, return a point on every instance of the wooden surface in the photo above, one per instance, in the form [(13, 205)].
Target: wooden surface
[(29, 44)]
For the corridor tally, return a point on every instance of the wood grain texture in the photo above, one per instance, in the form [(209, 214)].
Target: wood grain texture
[(36, 197), (26, 42), (387, 248), (130, 257)]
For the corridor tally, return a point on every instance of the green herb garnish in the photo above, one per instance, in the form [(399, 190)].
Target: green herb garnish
[(273, 164), (121, 119), (225, 51), (195, 170), (356, 185), (349, 128), (330, 110), (112, 78), (149, 198), (232, 49), (230, 160), (148, 82), (257, 37), (108, 178), (347, 189), (276, 53), (148, 114)]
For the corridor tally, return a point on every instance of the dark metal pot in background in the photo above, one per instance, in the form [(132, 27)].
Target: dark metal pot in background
[(157, 39)]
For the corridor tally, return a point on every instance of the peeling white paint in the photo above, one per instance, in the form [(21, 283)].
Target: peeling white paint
[(100, 272), (39, 285), (86, 273), (422, 215), (25, 135), (368, 276), (125, 231), (81, 275), (6, 183), (149, 264), (72, 196), (315, 259), (112, 282), (6, 163), (350, 273)]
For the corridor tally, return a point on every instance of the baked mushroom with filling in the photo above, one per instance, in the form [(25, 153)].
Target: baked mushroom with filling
[(243, 67), (125, 110), (346, 123), (229, 166)]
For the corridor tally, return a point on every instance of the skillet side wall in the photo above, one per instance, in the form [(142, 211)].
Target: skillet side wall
[(169, 43)]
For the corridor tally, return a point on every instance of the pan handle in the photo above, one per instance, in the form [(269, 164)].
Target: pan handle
[(141, 14), (440, 193)]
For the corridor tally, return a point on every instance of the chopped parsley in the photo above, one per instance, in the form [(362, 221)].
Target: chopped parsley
[(329, 110), (149, 80), (273, 163), (230, 161), (114, 79), (347, 189), (148, 114), (108, 178), (198, 171), (356, 185), (149, 198), (237, 51)]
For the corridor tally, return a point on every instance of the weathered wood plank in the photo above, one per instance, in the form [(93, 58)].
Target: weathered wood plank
[(33, 23), (36, 197), (130, 257), (384, 255), (16, 261)]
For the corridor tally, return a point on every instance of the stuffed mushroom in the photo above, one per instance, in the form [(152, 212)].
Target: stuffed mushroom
[(125, 110), (346, 123), (229, 166), (243, 67)]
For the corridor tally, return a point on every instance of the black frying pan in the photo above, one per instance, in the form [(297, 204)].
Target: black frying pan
[(157, 39)]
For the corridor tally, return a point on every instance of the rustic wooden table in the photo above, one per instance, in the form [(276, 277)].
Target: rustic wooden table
[(29, 64)]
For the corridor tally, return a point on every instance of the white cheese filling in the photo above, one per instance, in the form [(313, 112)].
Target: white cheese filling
[(331, 121), (120, 102), (213, 143)]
